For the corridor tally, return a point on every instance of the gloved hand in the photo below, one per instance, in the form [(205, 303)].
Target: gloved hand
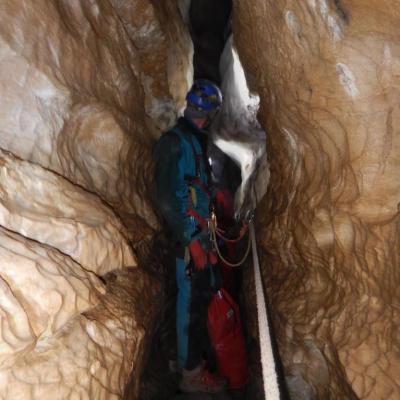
[(198, 254), (200, 249)]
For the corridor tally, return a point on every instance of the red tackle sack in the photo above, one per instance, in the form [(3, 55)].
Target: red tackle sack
[(225, 330)]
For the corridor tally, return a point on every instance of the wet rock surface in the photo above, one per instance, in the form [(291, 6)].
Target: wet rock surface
[(328, 227), (64, 330), (86, 87), (62, 215)]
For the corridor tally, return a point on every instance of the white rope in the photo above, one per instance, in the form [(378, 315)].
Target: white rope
[(271, 388)]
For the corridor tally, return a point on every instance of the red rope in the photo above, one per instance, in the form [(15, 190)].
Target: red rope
[(243, 231)]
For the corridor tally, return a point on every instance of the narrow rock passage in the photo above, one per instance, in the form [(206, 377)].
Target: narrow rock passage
[(86, 87), (236, 146)]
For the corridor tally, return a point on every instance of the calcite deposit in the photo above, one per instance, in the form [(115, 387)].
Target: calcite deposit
[(327, 73), (64, 334), (62, 215), (85, 88)]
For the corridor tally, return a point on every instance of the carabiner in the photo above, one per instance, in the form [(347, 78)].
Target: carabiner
[(249, 216)]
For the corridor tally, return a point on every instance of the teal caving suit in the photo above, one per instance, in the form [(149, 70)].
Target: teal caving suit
[(181, 181)]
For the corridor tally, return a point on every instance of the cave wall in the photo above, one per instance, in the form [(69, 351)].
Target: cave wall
[(85, 88), (327, 73), (91, 83)]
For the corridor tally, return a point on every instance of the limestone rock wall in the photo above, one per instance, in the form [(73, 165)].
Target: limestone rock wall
[(86, 85), (327, 74), (62, 215), (85, 88)]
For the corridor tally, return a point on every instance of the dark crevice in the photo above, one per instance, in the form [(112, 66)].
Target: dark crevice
[(210, 29), (341, 11)]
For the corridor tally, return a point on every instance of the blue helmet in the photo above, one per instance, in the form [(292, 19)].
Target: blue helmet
[(205, 97)]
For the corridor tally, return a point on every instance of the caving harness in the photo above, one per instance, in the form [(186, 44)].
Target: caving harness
[(211, 223)]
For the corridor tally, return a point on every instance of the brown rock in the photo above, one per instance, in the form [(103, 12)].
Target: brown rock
[(86, 87), (326, 74), (114, 69)]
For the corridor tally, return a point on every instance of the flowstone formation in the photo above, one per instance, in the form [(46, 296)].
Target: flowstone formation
[(86, 87), (327, 75)]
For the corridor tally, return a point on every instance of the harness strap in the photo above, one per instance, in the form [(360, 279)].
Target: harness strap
[(242, 233), (193, 213), (193, 180), (200, 220)]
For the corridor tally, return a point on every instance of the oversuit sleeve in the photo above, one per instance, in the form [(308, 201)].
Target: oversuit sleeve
[(172, 191)]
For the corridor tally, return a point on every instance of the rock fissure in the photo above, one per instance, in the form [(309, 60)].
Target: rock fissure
[(85, 90)]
